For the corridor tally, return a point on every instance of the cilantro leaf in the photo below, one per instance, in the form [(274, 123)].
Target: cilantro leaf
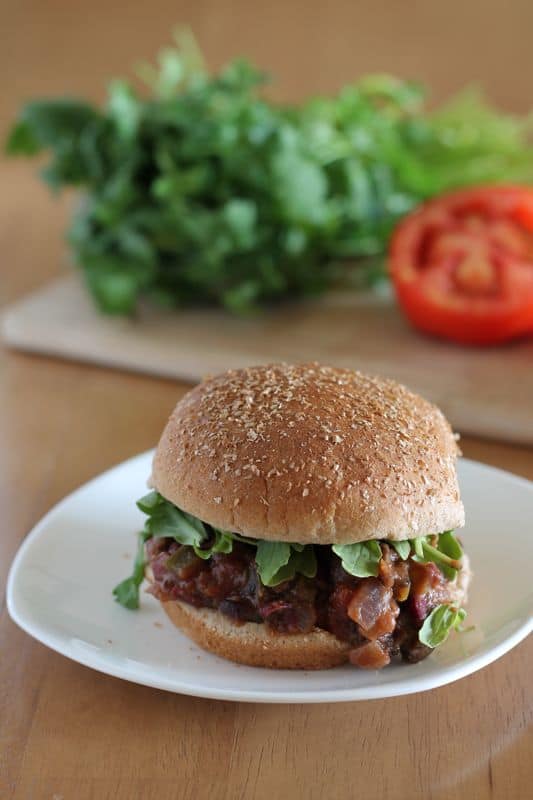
[(360, 559), (439, 623), (127, 591)]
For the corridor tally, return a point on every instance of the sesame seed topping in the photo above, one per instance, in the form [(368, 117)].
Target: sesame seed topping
[(351, 441)]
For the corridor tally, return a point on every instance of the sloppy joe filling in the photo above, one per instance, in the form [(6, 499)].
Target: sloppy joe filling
[(379, 617)]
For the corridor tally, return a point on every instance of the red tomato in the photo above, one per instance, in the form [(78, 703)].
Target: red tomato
[(462, 265)]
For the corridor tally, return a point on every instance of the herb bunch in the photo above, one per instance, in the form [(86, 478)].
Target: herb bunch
[(202, 192)]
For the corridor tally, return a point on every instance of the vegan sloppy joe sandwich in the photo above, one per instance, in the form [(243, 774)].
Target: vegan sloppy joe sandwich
[(303, 516)]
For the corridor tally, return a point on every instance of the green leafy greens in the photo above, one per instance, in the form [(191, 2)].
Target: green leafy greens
[(445, 553), (276, 562), (203, 192), (165, 519), (403, 548), (361, 559), (127, 591), (270, 558), (222, 543), (439, 623), (279, 561)]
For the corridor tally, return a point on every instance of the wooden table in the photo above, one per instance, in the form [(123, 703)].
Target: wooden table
[(68, 732)]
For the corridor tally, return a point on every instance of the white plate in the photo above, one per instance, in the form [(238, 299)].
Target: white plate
[(59, 591)]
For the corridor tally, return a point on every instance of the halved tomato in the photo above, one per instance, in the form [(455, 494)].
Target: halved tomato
[(462, 265)]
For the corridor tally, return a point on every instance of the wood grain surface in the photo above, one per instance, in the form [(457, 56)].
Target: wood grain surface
[(67, 732), (484, 392)]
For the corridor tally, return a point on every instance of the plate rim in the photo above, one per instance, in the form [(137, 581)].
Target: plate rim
[(445, 676)]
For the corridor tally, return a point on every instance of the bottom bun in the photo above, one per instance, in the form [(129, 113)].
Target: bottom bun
[(252, 643)]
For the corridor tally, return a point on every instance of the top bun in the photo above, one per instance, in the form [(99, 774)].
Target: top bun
[(310, 454)]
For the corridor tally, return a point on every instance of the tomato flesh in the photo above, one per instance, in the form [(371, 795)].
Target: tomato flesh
[(462, 265)]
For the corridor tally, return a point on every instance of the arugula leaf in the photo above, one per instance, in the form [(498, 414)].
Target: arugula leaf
[(279, 561), (222, 543), (127, 591), (360, 559), (402, 547), (276, 562), (237, 537), (418, 547), (449, 545), (149, 502), (439, 623), (445, 555), (165, 519), (302, 562), (270, 558), (170, 521)]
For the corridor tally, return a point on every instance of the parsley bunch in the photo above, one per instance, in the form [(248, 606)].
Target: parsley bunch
[(202, 192)]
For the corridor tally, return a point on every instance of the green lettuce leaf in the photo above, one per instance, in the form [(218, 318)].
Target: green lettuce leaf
[(360, 559), (439, 623)]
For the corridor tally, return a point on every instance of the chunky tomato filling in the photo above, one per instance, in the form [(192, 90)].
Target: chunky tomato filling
[(379, 616)]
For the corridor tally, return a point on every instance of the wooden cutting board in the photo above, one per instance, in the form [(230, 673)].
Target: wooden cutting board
[(486, 392)]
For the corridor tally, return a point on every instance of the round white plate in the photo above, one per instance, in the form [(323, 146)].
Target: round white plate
[(59, 591)]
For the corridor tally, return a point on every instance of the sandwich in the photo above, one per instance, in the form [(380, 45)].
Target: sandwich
[(301, 517)]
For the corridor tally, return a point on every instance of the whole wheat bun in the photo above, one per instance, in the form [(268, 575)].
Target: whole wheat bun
[(310, 454), (254, 645)]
